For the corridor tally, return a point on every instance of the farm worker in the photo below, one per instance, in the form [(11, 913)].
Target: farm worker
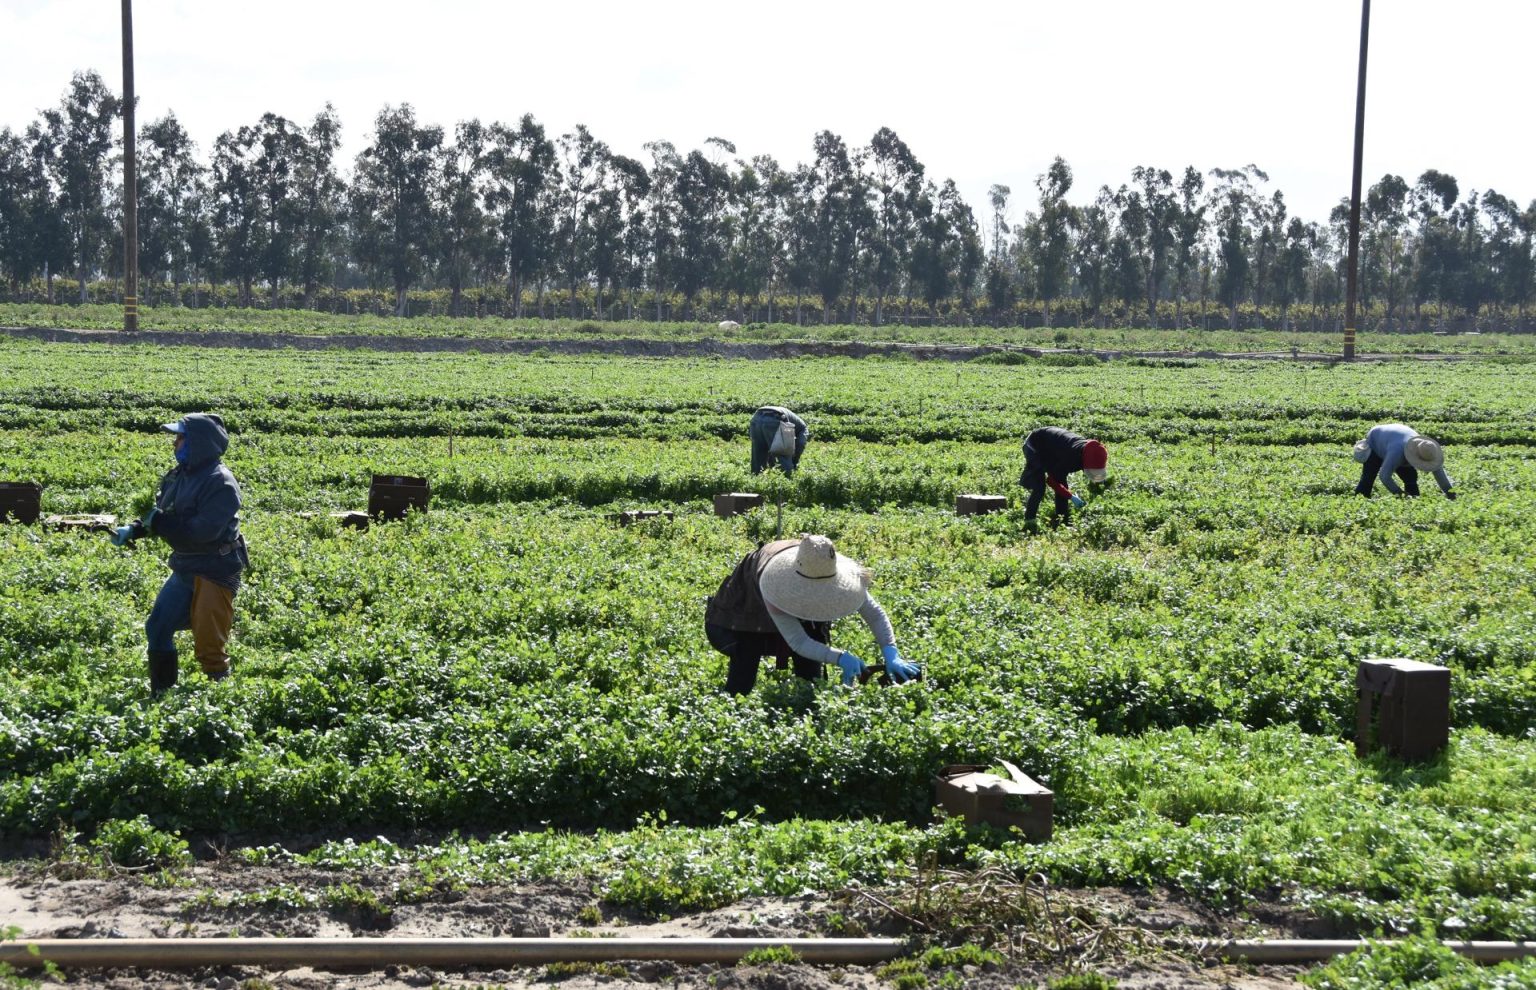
[(1393, 448), (778, 437), (197, 511), (1050, 454), (782, 599)]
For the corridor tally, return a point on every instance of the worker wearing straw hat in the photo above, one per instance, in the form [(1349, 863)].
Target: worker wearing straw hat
[(782, 599), (1393, 448)]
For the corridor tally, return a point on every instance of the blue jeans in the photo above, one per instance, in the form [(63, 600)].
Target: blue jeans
[(765, 425), (198, 604)]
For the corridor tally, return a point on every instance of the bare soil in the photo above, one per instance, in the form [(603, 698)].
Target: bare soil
[(197, 904)]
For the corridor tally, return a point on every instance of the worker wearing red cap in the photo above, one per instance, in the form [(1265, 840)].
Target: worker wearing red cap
[(1050, 454)]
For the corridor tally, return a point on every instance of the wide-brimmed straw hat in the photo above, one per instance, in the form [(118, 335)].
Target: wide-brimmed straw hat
[(813, 581), (1362, 450), (1424, 454)]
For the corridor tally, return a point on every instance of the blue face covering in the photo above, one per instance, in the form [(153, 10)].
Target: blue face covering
[(181, 453)]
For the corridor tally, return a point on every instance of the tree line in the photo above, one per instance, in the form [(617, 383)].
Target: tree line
[(502, 217)]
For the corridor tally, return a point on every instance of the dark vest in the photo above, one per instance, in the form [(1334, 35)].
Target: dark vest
[(738, 604)]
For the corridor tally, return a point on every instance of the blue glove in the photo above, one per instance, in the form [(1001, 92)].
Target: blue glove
[(1077, 500), (123, 535), (851, 666), (900, 670)]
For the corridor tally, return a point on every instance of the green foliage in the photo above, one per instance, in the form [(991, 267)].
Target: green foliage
[(938, 962), (137, 844), (1082, 981), (769, 956), (1418, 962)]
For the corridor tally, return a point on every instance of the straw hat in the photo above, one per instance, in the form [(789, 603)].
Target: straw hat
[(1362, 450), (813, 581), (1424, 454)]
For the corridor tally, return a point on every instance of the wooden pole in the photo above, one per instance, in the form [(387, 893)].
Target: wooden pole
[(130, 183), (1354, 194)]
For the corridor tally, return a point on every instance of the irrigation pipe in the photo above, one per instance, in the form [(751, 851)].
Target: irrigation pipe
[(1284, 950), (346, 953)]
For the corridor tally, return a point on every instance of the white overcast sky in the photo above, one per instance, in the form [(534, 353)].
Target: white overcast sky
[(983, 92)]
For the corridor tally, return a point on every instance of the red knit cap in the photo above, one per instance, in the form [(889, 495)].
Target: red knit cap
[(1094, 455)]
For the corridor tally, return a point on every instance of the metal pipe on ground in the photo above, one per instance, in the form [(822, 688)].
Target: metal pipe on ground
[(350, 953), (1283, 950)]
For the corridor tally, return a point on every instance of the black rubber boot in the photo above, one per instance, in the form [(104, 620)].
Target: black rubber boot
[(219, 675), (163, 669)]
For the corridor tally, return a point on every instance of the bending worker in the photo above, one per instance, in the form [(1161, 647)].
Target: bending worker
[(1393, 448), (197, 511), (782, 599), (778, 437), (1050, 454)]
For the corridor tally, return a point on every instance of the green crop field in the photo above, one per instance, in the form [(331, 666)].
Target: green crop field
[(1177, 664)]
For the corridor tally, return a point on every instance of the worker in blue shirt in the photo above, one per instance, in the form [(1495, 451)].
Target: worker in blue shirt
[(1393, 448)]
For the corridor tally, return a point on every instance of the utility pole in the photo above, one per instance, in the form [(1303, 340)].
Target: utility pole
[(130, 183), (1354, 194)]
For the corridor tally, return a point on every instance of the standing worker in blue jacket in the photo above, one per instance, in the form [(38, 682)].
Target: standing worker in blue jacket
[(1393, 448), (197, 511), (778, 437), (782, 599), (1050, 454)]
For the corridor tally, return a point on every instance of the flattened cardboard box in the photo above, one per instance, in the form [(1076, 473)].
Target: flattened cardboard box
[(979, 797)]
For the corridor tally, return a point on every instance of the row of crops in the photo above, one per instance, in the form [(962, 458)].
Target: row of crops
[(1178, 664)]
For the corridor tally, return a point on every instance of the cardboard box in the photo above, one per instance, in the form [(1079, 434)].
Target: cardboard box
[(979, 797), (20, 501), (728, 504), (979, 505), (1404, 706), (390, 496)]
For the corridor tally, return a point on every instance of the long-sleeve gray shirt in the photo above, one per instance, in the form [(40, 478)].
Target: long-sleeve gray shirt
[(794, 633), (1390, 442)]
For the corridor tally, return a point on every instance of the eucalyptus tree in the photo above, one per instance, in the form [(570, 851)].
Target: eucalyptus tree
[(463, 222), (581, 172), (1383, 250), (391, 203), (79, 143), (32, 231), (318, 203), (615, 212), (1269, 220), (999, 264), (1188, 234), (236, 210), (1469, 281), (1232, 202), (520, 165), (969, 256), (277, 163), (1161, 203), (839, 201), (1052, 244), (173, 191), (1091, 251), (1289, 279), (1509, 250), (1431, 201), (1127, 257), (895, 178), (702, 188), (754, 230), (800, 236), (660, 217)]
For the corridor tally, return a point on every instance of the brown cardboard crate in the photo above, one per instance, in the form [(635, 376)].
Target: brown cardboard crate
[(87, 522), (390, 496), (978, 505), (631, 516), (1404, 706), (20, 501), (728, 504), (967, 790)]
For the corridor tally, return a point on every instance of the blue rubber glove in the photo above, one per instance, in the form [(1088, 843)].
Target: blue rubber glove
[(851, 667), (123, 535), (1077, 500), (901, 670)]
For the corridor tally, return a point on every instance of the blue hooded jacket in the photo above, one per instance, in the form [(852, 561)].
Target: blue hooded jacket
[(199, 507)]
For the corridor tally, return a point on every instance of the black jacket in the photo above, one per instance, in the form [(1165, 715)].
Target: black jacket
[(199, 507)]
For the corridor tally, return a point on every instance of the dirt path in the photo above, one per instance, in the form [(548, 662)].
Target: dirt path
[(643, 348), (223, 899)]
